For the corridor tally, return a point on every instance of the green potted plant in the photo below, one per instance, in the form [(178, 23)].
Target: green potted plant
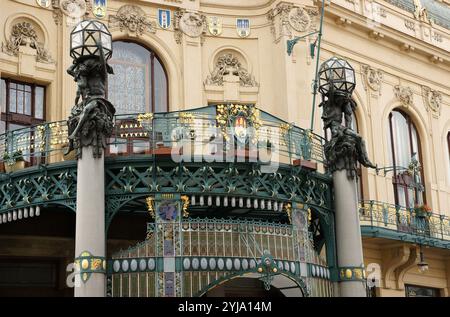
[(13, 162)]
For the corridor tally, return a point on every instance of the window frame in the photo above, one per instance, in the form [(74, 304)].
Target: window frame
[(398, 180), (153, 55)]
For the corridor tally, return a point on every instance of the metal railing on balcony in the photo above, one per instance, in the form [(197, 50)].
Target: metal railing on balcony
[(404, 220), (159, 133)]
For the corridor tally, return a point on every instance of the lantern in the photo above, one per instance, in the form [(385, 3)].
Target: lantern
[(336, 73), (88, 37)]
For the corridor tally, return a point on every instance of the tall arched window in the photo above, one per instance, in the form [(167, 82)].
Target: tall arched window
[(139, 83), (404, 143)]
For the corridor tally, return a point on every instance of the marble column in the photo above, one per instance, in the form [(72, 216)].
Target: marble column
[(90, 239), (348, 236)]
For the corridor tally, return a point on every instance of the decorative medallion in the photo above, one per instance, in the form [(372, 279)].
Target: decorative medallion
[(372, 77), (86, 264), (164, 19), (99, 8), (243, 27), (133, 18), (192, 24), (215, 26), (432, 100), (44, 3), (299, 19), (240, 128)]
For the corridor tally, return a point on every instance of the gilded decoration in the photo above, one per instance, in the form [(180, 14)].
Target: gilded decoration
[(133, 18), (192, 24), (24, 34), (372, 77), (150, 201), (227, 113), (404, 95), (228, 64), (185, 200), (432, 100)]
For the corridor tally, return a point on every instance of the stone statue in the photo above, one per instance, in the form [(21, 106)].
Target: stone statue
[(346, 147), (91, 120)]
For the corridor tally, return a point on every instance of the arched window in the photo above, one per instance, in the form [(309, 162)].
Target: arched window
[(404, 143), (139, 83)]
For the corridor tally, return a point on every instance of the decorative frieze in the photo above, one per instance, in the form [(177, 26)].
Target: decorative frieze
[(24, 34), (229, 65), (432, 100), (404, 95), (192, 24), (372, 78), (133, 19)]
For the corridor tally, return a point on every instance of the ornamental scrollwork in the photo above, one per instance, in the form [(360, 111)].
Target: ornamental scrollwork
[(133, 18), (24, 34), (299, 19), (404, 95), (432, 100), (74, 10), (228, 64), (372, 77), (225, 114)]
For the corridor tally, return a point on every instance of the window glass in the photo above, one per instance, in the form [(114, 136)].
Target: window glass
[(3, 95), (139, 83), (39, 102)]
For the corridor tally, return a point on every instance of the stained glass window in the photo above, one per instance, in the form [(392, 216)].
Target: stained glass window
[(139, 83)]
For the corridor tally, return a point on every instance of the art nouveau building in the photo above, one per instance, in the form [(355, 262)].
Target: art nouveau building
[(175, 62)]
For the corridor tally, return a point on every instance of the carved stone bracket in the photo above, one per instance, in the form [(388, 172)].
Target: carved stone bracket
[(227, 66), (404, 95), (133, 19), (23, 34), (372, 78), (432, 100), (192, 24)]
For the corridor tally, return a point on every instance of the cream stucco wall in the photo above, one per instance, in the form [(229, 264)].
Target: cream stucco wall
[(405, 57)]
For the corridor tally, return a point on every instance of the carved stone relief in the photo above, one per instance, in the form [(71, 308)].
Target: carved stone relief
[(404, 95), (75, 10), (372, 77), (229, 65), (287, 18), (432, 100), (192, 24), (132, 18), (24, 34)]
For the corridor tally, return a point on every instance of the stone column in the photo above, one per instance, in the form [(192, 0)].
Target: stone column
[(90, 244), (348, 236)]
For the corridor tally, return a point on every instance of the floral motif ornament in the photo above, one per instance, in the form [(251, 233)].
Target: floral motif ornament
[(133, 18), (227, 113), (24, 34), (299, 19), (228, 64)]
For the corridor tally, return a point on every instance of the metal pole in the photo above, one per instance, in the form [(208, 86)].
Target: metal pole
[(317, 65)]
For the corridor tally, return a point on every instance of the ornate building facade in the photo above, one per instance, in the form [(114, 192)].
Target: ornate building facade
[(189, 228)]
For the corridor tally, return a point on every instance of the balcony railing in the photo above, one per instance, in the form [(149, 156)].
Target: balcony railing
[(158, 133), (406, 222)]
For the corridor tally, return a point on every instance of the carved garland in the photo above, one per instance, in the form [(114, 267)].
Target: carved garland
[(432, 100), (228, 64), (404, 94), (24, 34)]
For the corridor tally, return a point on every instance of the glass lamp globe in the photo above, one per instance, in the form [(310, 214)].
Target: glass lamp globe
[(87, 37), (336, 73)]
